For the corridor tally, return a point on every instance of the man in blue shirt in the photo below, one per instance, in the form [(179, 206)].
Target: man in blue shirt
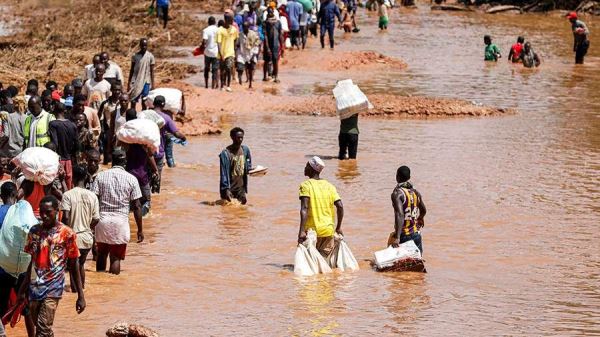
[(162, 10), (326, 19), (294, 10)]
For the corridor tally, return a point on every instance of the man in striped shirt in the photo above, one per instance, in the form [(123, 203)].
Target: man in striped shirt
[(409, 211), (118, 191)]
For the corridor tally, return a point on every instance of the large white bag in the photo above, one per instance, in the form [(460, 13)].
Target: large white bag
[(318, 259), (173, 98), (13, 236), (349, 99), (38, 164), (341, 256), (153, 116), (140, 131), (303, 263), (390, 256)]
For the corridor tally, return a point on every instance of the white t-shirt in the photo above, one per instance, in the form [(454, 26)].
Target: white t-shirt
[(210, 35), (96, 92)]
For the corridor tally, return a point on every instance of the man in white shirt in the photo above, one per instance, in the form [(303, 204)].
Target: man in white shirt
[(211, 51), (113, 73), (89, 71), (96, 89)]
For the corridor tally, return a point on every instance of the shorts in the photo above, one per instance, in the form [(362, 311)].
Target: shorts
[(144, 93), (212, 64), (227, 64), (325, 245), (383, 21), (42, 314), (240, 66), (116, 251)]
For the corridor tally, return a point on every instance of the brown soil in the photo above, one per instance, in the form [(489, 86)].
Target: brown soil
[(58, 39)]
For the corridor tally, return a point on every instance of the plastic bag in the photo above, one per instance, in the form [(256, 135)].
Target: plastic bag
[(38, 164), (13, 236), (303, 263), (288, 43), (349, 99), (318, 259), (140, 131), (307, 4), (173, 98), (406, 257)]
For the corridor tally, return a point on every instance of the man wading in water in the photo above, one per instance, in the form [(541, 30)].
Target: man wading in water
[(409, 211), (580, 37), (235, 163), (317, 200)]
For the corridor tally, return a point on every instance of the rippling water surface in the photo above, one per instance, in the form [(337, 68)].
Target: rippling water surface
[(511, 239)]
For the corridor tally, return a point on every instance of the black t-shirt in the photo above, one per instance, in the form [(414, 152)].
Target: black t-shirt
[(63, 133)]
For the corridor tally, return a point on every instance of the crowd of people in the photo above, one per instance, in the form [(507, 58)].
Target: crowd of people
[(85, 209)]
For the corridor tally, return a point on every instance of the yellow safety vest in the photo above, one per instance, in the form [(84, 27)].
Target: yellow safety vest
[(41, 129)]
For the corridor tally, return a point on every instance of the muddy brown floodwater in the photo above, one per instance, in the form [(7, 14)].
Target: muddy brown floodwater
[(511, 238)]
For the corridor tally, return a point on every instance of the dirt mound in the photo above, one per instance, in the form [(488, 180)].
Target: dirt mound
[(123, 329), (361, 59), (398, 106)]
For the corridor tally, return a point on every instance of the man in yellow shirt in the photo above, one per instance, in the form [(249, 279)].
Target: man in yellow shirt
[(319, 205), (226, 37)]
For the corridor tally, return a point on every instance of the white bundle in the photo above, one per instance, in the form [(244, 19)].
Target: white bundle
[(341, 256), (38, 164), (153, 116), (390, 256), (303, 263), (318, 259), (140, 131), (173, 98), (349, 99)]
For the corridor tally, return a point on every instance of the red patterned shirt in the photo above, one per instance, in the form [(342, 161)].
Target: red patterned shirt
[(50, 249)]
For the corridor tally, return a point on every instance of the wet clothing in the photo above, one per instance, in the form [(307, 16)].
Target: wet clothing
[(321, 209), (581, 43), (530, 59), (491, 52), (50, 249), (411, 200), (327, 14), (42, 313), (234, 169), (515, 51), (137, 163), (114, 250), (348, 137)]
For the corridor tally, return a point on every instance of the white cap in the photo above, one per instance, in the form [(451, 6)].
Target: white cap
[(316, 163)]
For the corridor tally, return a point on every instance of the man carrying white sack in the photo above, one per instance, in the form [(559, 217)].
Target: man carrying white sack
[(317, 200)]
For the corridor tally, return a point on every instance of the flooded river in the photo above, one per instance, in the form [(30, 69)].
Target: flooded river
[(511, 238)]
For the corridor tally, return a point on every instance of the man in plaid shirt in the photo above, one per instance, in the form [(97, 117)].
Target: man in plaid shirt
[(118, 191)]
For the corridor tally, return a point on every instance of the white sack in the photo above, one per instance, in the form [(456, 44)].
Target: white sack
[(173, 98), (140, 131), (341, 256), (303, 263), (153, 116), (389, 256), (38, 164), (349, 99), (318, 259)]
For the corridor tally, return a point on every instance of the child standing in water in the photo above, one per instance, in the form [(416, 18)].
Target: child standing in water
[(491, 51), (383, 14), (346, 19)]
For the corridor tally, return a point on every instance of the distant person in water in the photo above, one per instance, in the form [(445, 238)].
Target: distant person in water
[(515, 51), (491, 51), (529, 58), (235, 162), (580, 37), (383, 15), (409, 211)]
